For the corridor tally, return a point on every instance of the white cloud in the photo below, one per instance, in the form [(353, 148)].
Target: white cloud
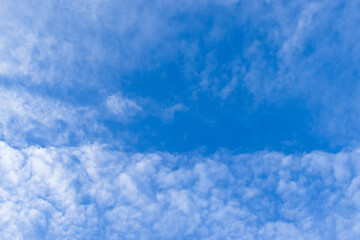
[(26, 49), (25, 117), (169, 113), (122, 107), (304, 47), (90, 192), (93, 192)]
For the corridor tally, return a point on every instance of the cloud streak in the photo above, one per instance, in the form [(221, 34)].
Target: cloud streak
[(122, 107)]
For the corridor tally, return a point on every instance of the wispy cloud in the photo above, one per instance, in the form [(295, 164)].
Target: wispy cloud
[(122, 107), (168, 113), (27, 119)]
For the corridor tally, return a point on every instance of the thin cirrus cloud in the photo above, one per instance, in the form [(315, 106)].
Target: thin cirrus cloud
[(168, 114), (122, 107)]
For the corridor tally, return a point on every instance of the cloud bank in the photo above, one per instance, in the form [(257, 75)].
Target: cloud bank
[(91, 192)]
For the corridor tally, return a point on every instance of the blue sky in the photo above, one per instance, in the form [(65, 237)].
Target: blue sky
[(209, 119)]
